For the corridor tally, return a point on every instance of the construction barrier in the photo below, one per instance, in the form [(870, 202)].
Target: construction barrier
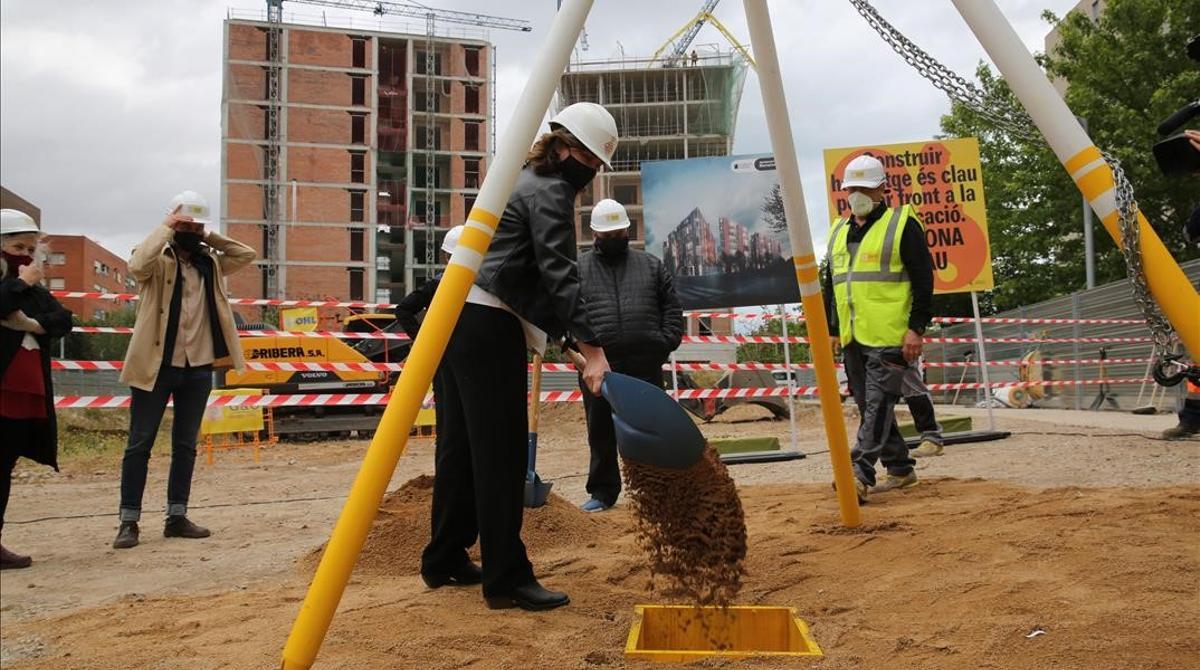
[(356, 399)]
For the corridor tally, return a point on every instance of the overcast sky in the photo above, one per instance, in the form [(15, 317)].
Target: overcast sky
[(107, 109)]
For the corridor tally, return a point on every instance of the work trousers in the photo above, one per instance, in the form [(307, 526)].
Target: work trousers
[(482, 451), (920, 405), (189, 388), (604, 470), (875, 375)]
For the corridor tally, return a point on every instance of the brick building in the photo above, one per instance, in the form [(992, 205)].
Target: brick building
[(354, 153), (10, 200), (79, 263)]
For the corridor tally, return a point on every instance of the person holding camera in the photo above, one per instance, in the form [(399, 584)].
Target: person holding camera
[(878, 287), (29, 319), (184, 329)]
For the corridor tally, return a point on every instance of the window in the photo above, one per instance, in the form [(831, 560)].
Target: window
[(470, 173), (57, 283), (423, 138), (357, 212), (472, 100), (626, 194), (97, 288), (356, 244), (471, 141), (356, 284), (383, 262), (358, 91), (468, 204), (358, 167), (96, 267), (99, 315), (585, 228), (358, 51), (358, 128), (421, 63), (633, 228), (704, 326), (472, 58), (383, 295), (58, 258)]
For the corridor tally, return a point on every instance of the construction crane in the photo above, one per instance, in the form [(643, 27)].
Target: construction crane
[(274, 187), (682, 39)]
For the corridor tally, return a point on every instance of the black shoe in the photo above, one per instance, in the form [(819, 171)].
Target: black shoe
[(531, 596), (11, 560), (127, 535), (179, 526), (466, 574)]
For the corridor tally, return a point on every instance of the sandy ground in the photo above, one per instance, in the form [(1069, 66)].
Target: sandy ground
[(1080, 525)]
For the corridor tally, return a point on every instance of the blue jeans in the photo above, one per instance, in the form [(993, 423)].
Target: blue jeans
[(190, 388)]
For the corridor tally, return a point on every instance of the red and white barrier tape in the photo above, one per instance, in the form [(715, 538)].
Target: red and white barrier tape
[(285, 366), (355, 304), (355, 399), (125, 330)]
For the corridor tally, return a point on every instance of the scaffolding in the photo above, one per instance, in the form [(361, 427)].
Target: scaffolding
[(663, 113)]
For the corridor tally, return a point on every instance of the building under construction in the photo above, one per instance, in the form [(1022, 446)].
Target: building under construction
[(687, 110), (375, 137)]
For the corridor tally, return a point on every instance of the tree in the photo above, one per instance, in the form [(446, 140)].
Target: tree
[(103, 346), (1127, 72), (772, 207), (773, 353)]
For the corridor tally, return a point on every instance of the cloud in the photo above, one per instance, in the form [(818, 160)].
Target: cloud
[(107, 109)]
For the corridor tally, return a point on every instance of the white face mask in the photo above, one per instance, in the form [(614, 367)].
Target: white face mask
[(861, 204)]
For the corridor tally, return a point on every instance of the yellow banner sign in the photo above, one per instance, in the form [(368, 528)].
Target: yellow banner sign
[(227, 419), (943, 182), (302, 319)]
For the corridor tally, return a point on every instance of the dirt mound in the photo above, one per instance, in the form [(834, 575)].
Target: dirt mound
[(401, 530)]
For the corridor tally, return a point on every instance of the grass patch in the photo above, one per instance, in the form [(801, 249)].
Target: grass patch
[(87, 434)]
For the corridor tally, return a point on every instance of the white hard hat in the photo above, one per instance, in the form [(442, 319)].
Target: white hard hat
[(191, 203), (592, 125), (15, 222), (609, 215), (450, 242), (865, 171)]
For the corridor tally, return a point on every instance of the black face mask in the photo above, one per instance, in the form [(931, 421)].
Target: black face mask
[(612, 247), (577, 174), (192, 243)]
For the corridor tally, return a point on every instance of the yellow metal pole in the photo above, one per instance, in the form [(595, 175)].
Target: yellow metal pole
[(1168, 284), (391, 437), (762, 41)]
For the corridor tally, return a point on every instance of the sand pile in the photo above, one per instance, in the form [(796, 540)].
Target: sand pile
[(401, 530)]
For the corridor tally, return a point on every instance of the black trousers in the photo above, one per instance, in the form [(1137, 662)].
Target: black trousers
[(604, 470), (481, 455), (8, 462), (189, 388), (875, 376)]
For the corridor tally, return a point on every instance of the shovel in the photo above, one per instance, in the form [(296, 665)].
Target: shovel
[(536, 490)]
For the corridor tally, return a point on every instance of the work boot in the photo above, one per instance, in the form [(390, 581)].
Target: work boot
[(927, 448), (13, 561), (530, 596), (892, 482), (860, 488), (1182, 431), (179, 526), (127, 535)]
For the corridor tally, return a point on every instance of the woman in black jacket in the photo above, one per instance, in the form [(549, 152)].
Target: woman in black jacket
[(30, 318), (527, 290)]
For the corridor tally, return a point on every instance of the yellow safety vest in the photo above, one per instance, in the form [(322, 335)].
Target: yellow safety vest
[(870, 286)]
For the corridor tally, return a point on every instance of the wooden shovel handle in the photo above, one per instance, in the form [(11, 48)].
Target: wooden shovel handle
[(535, 393)]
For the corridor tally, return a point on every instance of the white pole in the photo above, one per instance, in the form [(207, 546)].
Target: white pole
[(675, 376), (983, 364), (791, 380), (1168, 284), (770, 81)]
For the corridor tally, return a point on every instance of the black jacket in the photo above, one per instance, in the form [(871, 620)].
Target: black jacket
[(414, 303), (631, 304), (531, 262), (39, 305)]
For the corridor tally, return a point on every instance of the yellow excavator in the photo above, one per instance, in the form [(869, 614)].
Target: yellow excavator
[(306, 423)]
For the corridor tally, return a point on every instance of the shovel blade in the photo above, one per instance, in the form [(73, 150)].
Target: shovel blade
[(537, 492), (650, 426)]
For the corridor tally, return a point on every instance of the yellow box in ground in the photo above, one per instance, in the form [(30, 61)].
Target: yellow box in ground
[(227, 419), (680, 633)]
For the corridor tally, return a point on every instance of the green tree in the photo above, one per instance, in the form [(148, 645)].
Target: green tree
[(1127, 72), (100, 347), (773, 353)]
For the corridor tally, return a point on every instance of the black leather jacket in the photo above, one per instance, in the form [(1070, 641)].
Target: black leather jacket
[(531, 262), (632, 304)]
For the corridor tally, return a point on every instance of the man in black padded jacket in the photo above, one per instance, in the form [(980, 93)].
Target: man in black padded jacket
[(632, 306)]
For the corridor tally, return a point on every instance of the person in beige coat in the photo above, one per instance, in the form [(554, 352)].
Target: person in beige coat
[(184, 329)]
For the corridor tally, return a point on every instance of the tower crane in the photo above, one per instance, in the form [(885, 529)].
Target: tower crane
[(274, 187)]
